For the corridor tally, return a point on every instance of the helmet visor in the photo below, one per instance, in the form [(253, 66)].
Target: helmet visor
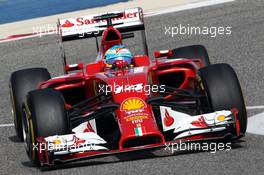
[(123, 58)]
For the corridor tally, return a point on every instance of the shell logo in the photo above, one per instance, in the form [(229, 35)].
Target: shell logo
[(221, 118), (56, 142), (132, 104)]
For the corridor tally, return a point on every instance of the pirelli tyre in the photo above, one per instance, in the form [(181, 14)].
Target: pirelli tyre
[(44, 115), (223, 90), (21, 82), (192, 52)]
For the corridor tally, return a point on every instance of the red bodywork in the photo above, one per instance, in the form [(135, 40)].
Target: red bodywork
[(144, 71)]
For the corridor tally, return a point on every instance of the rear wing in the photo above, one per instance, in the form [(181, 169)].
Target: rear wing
[(87, 26)]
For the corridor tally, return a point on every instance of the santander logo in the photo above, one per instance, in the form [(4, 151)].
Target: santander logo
[(82, 21), (67, 24), (168, 120)]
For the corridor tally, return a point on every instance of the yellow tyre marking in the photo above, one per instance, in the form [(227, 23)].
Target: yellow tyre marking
[(32, 137), (29, 118), (13, 107)]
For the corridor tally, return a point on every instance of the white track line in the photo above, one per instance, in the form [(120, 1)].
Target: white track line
[(6, 125), (254, 107), (255, 124), (248, 108), (188, 7)]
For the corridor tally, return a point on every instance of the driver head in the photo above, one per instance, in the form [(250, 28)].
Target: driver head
[(118, 53)]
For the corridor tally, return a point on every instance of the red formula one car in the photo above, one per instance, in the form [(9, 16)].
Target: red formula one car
[(97, 109)]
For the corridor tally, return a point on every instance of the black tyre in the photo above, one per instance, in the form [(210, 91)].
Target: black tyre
[(192, 52), (44, 115), (223, 90), (21, 82)]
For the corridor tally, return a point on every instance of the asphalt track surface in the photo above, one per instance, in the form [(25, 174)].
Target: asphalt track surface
[(243, 50)]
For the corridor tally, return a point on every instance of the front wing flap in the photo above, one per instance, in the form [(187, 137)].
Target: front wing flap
[(72, 147), (184, 125)]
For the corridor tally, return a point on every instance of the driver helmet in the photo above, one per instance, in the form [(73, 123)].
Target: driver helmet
[(118, 52)]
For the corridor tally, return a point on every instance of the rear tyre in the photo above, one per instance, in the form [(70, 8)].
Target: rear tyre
[(192, 52), (21, 82), (44, 115), (223, 90)]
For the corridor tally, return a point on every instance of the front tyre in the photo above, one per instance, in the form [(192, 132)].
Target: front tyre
[(44, 115), (223, 90), (192, 52), (21, 82)]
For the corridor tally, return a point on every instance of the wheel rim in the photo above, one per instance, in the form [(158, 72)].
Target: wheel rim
[(13, 107), (26, 133)]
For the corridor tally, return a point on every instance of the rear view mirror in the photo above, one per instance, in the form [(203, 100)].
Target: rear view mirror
[(163, 53), (73, 67)]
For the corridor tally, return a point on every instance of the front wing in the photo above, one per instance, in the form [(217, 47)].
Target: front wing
[(186, 128)]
